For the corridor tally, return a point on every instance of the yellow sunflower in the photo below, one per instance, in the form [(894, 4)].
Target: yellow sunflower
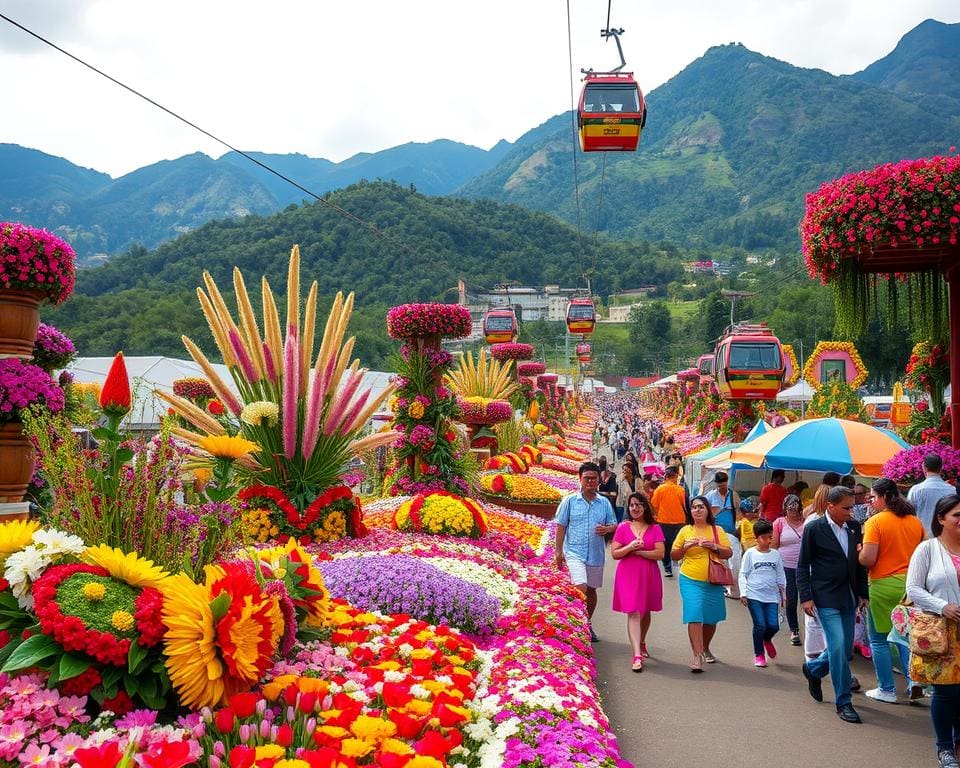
[(231, 447), (128, 567), (189, 646), (15, 535)]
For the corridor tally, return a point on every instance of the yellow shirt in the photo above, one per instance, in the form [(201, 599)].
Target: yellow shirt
[(694, 565), (747, 537)]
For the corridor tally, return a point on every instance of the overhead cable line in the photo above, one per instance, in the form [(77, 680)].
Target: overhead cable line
[(573, 122), (373, 229)]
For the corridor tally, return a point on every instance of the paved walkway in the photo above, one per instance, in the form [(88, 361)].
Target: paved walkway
[(735, 715)]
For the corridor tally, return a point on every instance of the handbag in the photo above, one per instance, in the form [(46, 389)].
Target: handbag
[(901, 616), (718, 572), (928, 634)]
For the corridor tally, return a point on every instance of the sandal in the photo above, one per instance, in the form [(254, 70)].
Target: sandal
[(637, 664), (697, 665), (643, 651), (709, 657)]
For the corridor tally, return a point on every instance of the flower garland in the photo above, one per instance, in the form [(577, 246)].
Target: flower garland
[(410, 321), (511, 351), (333, 515), (34, 259), (791, 355), (810, 370), (441, 512)]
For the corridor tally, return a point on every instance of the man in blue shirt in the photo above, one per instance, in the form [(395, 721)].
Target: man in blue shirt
[(583, 518)]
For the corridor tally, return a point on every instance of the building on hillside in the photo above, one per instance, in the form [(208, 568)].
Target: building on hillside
[(546, 303), (620, 313)]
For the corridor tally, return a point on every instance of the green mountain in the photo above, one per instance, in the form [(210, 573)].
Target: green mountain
[(732, 145), (141, 302)]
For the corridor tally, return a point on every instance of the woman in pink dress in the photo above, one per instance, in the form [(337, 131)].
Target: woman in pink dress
[(637, 587)]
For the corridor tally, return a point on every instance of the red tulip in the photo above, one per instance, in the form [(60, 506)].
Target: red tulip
[(115, 395)]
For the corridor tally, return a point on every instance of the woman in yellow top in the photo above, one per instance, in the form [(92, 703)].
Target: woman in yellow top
[(703, 604)]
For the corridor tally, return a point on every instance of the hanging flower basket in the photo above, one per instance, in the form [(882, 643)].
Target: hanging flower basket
[(411, 321)]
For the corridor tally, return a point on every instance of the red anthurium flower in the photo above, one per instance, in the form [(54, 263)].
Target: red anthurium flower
[(107, 755), (242, 757), (115, 395)]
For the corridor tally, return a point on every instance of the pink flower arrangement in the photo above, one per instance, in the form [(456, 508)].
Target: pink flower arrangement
[(911, 204), (906, 467), (511, 351), (23, 385), (34, 259), (52, 348), (473, 411), (531, 369), (410, 321), (547, 378)]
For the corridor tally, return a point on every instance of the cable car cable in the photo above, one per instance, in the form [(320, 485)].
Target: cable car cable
[(373, 229), (573, 121)]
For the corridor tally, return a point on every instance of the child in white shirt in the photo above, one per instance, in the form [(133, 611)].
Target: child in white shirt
[(763, 588)]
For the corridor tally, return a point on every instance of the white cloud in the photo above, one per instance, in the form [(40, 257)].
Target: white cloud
[(333, 79)]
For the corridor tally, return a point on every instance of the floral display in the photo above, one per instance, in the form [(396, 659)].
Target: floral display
[(23, 385), (408, 585), (906, 468), (52, 348), (835, 361), (487, 379), (194, 389), (531, 369), (411, 321), (335, 513), (866, 210), (928, 370), (838, 400), (525, 488), (792, 373), (511, 351), (440, 512), (483, 410), (34, 259)]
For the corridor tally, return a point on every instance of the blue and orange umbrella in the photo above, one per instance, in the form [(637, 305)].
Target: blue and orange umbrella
[(821, 445)]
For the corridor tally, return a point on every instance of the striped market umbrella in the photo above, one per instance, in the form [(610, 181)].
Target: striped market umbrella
[(821, 445)]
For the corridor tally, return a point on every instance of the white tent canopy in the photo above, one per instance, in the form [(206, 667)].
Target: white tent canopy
[(799, 392), (671, 379)]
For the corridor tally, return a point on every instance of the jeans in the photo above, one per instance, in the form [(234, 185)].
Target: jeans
[(945, 713), (883, 659), (618, 511), (792, 597), (670, 532), (765, 623), (837, 624)]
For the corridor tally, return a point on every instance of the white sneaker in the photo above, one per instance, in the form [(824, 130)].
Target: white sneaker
[(880, 695)]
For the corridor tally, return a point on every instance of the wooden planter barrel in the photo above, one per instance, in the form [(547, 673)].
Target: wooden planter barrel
[(16, 462), (543, 511), (19, 320)]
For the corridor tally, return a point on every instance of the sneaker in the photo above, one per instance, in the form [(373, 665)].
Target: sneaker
[(795, 639), (947, 759), (878, 694), (915, 692), (770, 648), (759, 661)]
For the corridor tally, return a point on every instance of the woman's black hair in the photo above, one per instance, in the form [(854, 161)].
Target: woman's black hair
[(943, 507), (886, 488), (706, 504), (648, 516)]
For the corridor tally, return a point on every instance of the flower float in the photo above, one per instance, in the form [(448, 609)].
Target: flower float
[(835, 361), (441, 513), (511, 351)]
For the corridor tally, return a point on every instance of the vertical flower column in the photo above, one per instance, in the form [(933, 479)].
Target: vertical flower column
[(428, 451)]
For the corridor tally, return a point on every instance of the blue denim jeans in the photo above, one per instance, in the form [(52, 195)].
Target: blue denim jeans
[(837, 626), (670, 532), (766, 623), (945, 713), (883, 658)]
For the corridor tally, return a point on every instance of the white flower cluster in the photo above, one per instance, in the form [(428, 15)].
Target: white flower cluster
[(26, 566), (506, 592)]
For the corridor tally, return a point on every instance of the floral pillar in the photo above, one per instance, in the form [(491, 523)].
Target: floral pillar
[(428, 450)]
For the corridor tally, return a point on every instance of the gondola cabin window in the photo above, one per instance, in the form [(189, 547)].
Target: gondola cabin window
[(754, 357)]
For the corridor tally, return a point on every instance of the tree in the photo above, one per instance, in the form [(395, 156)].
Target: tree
[(713, 316), (650, 327)]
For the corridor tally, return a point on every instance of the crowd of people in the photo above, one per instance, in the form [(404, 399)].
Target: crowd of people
[(862, 565)]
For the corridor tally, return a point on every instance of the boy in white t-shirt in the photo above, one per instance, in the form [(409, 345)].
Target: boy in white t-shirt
[(763, 589)]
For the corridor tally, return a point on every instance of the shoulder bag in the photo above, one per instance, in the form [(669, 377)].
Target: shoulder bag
[(718, 572)]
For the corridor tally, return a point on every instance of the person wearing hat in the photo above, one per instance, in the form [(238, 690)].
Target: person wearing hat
[(744, 532)]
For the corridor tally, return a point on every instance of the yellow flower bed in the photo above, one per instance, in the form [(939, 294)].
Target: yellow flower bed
[(520, 488), (257, 525), (441, 513)]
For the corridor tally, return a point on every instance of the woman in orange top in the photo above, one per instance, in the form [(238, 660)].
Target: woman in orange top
[(889, 538)]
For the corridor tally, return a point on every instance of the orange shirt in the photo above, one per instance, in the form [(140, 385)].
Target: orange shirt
[(670, 503), (896, 538)]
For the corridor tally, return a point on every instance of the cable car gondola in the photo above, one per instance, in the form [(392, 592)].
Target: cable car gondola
[(583, 352), (748, 363), (500, 325), (581, 316), (612, 112)]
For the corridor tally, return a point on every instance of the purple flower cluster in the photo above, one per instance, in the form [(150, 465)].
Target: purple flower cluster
[(548, 738), (436, 358), (421, 435), (23, 385), (410, 321), (404, 584), (52, 348), (34, 259), (907, 466)]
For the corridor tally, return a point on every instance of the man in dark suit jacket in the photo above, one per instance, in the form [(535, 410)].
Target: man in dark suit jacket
[(831, 579)]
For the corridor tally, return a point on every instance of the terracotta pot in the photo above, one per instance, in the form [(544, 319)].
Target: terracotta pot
[(19, 320), (16, 462)]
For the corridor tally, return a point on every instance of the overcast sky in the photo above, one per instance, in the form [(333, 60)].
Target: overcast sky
[(330, 79)]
